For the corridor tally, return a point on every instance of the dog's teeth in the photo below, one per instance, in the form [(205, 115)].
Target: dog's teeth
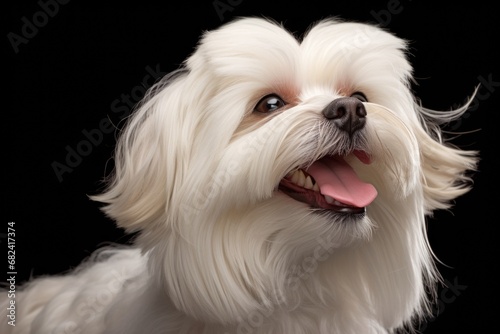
[(315, 187), (333, 201), (338, 203), (329, 199), (308, 183), (301, 178)]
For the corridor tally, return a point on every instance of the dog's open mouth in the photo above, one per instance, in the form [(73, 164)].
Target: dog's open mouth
[(331, 184)]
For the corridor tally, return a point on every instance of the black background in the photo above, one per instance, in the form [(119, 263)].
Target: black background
[(64, 78)]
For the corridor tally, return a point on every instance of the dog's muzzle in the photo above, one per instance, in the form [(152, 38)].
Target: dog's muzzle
[(330, 183)]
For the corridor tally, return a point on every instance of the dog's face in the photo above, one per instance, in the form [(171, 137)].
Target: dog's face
[(266, 150)]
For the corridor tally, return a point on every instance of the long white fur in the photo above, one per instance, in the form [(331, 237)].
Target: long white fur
[(220, 250)]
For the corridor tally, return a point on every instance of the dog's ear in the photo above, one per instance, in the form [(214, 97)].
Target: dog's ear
[(444, 167), (150, 157)]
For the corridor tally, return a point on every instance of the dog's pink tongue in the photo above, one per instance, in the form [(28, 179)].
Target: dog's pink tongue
[(337, 179)]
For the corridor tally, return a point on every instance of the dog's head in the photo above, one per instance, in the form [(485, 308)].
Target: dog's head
[(265, 151)]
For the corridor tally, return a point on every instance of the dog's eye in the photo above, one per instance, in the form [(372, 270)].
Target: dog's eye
[(269, 103), (360, 96)]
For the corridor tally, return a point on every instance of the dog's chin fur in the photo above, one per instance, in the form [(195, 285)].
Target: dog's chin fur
[(221, 249)]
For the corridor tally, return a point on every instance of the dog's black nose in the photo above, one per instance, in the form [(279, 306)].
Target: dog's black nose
[(348, 114)]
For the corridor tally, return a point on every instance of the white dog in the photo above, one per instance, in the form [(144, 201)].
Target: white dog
[(279, 186)]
